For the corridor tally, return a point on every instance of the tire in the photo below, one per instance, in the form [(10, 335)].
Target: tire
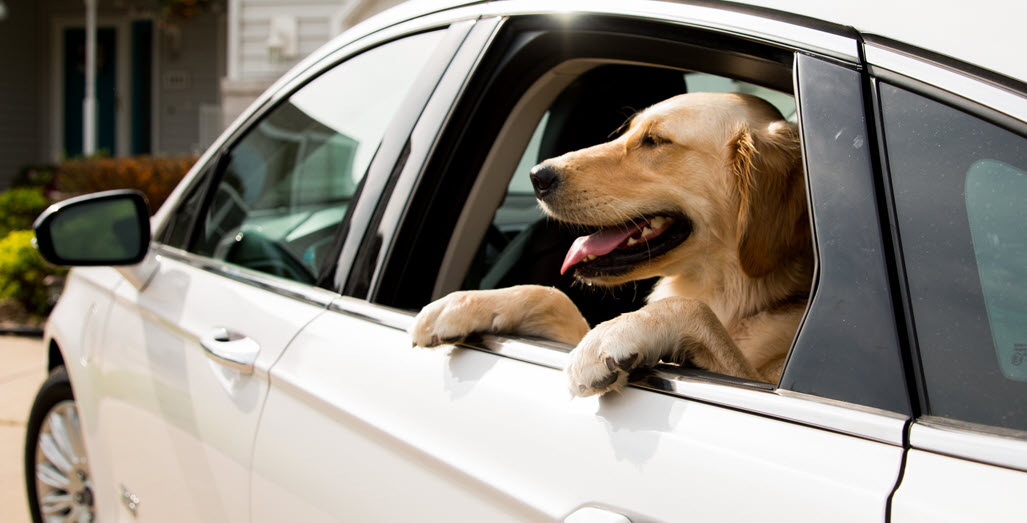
[(57, 478)]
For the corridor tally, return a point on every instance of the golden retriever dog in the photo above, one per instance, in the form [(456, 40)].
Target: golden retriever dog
[(703, 189)]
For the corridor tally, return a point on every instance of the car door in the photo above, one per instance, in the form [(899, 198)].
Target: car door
[(238, 262), (359, 425), (958, 175)]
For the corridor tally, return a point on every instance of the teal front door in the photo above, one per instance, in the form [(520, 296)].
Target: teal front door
[(74, 66)]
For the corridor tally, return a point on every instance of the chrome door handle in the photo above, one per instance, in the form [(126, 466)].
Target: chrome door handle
[(231, 349), (595, 515)]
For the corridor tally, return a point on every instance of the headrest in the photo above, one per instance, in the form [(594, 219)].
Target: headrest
[(594, 106)]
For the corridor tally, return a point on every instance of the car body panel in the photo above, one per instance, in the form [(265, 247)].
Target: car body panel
[(77, 326), (946, 27), (940, 488), (735, 22), (492, 437), (177, 426)]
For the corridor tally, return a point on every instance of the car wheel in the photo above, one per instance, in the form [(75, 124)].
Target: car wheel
[(57, 476)]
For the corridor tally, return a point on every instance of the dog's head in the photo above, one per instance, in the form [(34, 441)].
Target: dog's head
[(695, 181)]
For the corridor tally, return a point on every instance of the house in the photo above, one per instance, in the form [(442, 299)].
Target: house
[(169, 74)]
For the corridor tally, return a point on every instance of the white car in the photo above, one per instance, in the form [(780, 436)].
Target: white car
[(249, 360)]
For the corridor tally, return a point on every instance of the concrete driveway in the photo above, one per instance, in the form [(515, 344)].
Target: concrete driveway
[(22, 370)]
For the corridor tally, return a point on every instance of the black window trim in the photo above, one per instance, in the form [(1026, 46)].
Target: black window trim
[(849, 347)]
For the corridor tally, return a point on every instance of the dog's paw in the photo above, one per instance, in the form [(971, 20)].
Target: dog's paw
[(606, 355), (451, 319)]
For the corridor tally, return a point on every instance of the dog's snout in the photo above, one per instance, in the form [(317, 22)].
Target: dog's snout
[(544, 179)]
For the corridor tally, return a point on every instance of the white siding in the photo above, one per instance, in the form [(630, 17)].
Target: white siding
[(252, 67), (255, 61), (188, 79), (20, 90)]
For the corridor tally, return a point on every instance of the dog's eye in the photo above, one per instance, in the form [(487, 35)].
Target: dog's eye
[(652, 140)]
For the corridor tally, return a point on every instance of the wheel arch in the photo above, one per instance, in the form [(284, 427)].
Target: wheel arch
[(54, 356)]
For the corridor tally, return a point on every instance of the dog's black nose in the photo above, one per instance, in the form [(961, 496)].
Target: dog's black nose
[(544, 179)]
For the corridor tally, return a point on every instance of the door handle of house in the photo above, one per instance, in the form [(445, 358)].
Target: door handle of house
[(595, 515), (231, 349)]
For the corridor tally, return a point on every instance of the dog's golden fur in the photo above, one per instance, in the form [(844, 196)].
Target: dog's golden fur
[(731, 295)]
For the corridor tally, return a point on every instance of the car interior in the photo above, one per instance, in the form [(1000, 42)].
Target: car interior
[(520, 245)]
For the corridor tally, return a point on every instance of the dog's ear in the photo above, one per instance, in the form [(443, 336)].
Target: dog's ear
[(773, 224)]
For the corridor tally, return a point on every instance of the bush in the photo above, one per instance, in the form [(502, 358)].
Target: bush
[(23, 273), (19, 208), (154, 176), (35, 175)]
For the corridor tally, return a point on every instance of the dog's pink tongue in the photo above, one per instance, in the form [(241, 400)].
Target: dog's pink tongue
[(600, 243)]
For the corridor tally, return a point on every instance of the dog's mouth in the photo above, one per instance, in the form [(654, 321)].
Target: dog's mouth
[(615, 250)]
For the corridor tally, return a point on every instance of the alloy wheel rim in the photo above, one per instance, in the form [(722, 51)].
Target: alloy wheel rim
[(64, 488)]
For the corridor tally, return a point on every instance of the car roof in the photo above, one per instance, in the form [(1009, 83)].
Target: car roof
[(984, 33)]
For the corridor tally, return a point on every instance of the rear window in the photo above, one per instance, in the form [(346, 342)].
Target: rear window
[(960, 187)]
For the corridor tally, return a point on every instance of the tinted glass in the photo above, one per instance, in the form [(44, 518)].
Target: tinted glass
[(287, 184), (960, 189), (176, 232)]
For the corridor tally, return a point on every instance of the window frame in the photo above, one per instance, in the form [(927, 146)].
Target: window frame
[(849, 347), (992, 99), (200, 183), (390, 275)]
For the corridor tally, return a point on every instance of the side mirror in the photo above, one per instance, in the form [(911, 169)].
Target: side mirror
[(107, 228)]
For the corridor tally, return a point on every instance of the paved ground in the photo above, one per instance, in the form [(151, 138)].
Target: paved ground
[(22, 370)]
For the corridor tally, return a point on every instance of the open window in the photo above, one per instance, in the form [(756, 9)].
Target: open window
[(521, 245), (549, 89)]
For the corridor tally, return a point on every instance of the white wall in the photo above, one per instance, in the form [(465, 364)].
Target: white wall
[(253, 66), (189, 68), (254, 60)]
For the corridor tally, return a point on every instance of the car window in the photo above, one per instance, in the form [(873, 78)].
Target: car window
[(960, 185), (287, 183), (540, 101), (177, 231)]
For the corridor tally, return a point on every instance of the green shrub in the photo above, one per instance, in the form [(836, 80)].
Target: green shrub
[(19, 208), (34, 175), (23, 273), (154, 176)]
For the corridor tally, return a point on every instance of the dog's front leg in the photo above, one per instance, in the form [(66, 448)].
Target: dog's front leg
[(530, 310), (672, 329)]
